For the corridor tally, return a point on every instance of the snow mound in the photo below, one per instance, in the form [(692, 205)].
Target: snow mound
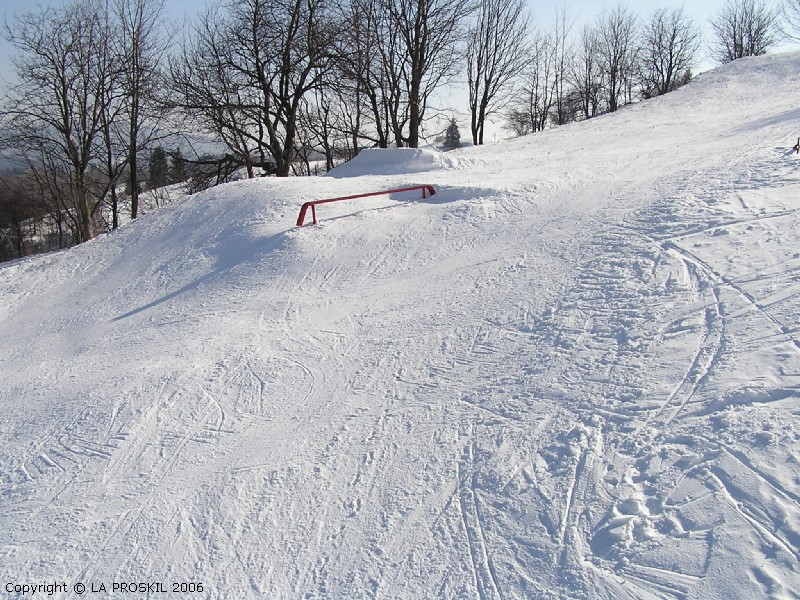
[(393, 161)]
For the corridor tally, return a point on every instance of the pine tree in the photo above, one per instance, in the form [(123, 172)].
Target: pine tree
[(452, 136), (158, 167), (177, 171)]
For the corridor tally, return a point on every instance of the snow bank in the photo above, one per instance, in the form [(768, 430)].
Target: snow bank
[(393, 161)]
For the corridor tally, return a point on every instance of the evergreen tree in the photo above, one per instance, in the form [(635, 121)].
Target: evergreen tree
[(177, 172), (158, 167), (452, 136)]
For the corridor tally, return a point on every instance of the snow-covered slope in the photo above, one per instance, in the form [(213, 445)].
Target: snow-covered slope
[(572, 373)]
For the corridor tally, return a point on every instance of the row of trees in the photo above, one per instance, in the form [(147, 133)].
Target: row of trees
[(276, 83), (273, 78), (82, 109), (621, 57)]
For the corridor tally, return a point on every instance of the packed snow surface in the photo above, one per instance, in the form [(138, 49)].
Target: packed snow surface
[(572, 373)]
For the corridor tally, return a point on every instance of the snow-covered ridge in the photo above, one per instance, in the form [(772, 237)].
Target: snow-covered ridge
[(571, 373)]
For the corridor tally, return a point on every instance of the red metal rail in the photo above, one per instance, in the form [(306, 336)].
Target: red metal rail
[(426, 189)]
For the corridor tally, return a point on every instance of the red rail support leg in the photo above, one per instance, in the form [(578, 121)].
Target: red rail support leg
[(426, 189)]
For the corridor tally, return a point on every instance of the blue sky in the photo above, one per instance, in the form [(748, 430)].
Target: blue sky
[(543, 10)]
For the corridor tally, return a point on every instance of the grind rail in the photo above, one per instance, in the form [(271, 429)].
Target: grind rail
[(427, 190)]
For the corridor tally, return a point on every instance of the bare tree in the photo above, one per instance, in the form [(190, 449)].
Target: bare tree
[(562, 64), (670, 43), (496, 53), (17, 212), (112, 159), (247, 71), (533, 109), (358, 100), (330, 120), (66, 72), (215, 98), (317, 126), (394, 69), (744, 28), (791, 16), (428, 35), (50, 187), (617, 33), (586, 75), (296, 39), (142, 44), (363, 64)]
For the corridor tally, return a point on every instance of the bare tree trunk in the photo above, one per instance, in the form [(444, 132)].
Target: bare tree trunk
[(85, 210), (143, 46)]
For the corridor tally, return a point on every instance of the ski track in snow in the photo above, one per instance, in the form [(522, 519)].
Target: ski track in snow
[(548, 381)]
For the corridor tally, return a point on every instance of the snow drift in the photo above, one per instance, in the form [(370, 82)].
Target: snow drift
[(393, 161), (573, 373)]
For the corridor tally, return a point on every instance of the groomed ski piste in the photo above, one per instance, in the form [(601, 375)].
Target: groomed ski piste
[(572, 373)]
